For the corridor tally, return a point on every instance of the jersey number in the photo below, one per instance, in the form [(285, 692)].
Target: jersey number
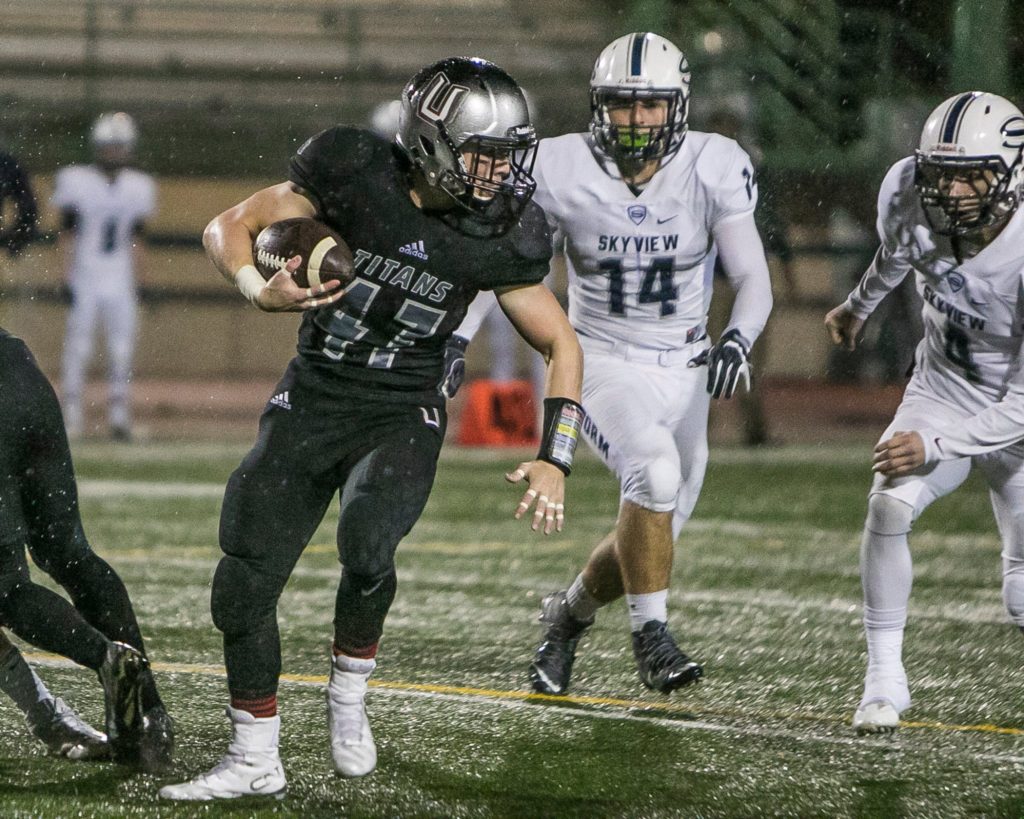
[(749, 182), (109, 236), (958, 351), (656, 287), (420, 321)]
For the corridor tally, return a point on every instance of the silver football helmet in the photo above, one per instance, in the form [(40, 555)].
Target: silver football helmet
[(640, 66), (968, 170), (465, 124)]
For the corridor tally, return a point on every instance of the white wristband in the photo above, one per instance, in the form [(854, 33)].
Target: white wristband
[(250, 282)]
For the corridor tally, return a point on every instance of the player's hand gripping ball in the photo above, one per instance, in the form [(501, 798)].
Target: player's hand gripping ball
[(325, 256)]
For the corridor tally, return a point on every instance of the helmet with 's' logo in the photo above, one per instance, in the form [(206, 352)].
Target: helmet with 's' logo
[(968, 169)]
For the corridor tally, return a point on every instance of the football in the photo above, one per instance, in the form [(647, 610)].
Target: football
[(325, 255)]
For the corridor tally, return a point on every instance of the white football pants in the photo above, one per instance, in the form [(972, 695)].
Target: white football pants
[(1003, 471), (118, 315), (647, 418)]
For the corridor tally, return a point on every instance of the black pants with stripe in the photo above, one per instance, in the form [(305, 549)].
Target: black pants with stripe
[(314, 441), (39, 511)]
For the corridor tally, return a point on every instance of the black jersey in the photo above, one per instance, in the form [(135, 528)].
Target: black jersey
[(416, 273)]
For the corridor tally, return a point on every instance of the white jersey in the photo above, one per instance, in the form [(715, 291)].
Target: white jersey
[(107, 212), (970, 356), (639, 266)]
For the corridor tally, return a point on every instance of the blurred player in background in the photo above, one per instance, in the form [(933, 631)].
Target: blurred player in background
[(636, 205), (18, 211), (39, 512), (772, 228), (950, 214), (431, 218), (103, 209)]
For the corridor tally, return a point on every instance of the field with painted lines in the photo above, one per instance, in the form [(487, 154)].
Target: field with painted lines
[(765, 593)]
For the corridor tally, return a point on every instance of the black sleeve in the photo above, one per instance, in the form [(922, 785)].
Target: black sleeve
[(14, 184), (329, 161), (525, 256)]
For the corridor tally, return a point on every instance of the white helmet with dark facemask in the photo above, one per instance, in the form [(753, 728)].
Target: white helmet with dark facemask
[(465, 124), (113, 139), (640, 66), (968, 167)]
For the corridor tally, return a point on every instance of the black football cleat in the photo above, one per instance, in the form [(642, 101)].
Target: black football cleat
[(156, 747), (552, 663), (121, 677), (661, 664)]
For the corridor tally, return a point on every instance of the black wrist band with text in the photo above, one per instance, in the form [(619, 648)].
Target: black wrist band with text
[(563, 419)]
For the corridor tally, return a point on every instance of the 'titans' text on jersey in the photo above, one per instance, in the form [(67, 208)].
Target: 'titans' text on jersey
[(638, 265), (974, 311), (415, 271)]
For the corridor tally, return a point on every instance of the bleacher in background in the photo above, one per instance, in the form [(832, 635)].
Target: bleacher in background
[(828, 94), (264, 72)]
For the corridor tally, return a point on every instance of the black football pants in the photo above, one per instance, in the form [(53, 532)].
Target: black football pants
[(39, 510), (379, 455)]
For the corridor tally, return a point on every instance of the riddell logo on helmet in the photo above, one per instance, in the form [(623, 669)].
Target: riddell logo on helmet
[(947, 148)]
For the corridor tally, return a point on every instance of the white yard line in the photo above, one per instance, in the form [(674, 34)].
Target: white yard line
[(90, 488)]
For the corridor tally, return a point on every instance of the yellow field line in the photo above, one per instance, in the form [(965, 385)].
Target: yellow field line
[(674, 707)]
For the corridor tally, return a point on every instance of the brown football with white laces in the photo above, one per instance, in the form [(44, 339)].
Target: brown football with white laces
[(325, 256)]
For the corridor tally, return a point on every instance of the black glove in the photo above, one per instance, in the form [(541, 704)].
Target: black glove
[(454, 366), (728, 361)]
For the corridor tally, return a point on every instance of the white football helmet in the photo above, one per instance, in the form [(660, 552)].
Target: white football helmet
[(113, 139), (465, 124), (968, 167), (384, 119), (636, 66), (114, 129)]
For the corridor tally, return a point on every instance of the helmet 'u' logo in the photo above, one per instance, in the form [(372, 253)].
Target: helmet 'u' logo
[(440, 99)]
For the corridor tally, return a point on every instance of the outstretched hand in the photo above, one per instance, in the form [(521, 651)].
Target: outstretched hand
[(282, 294), (547, 489)]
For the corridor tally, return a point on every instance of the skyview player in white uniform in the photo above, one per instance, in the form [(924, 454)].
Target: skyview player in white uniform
[(103, 208), (950, 215), (639, 206)]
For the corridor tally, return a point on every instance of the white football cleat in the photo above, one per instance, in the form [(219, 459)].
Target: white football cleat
[(352, 744), (251, 767), (886, 696), (878, 717)]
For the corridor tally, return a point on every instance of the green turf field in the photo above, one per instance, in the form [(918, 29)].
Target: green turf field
[(766, 594)]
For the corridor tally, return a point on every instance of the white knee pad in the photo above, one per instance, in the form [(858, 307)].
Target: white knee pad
[(888, 515), (1013, 592), (654, 485)]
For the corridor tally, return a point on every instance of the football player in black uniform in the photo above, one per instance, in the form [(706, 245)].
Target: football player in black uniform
[(39, 511), (432, 218)]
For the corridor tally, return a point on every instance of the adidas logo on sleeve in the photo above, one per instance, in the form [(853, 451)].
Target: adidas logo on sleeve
[(281, 400), (415, 249)]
